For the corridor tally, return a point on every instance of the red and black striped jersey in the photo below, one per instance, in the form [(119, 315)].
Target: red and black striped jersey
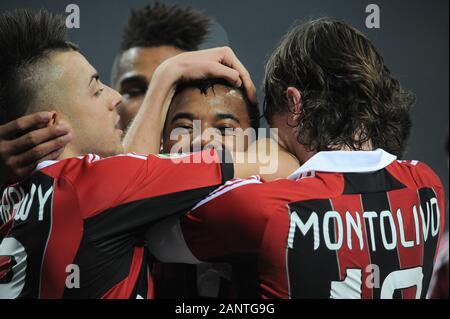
[(75, 227), (345, 225), (439, 281)]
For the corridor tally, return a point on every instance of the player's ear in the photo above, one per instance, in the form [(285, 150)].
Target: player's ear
[(294, 99)]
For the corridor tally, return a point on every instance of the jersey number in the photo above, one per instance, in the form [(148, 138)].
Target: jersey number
[(351, 287), (13, 266)]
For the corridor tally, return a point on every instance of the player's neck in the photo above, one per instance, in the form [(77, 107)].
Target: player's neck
[(69, 151)]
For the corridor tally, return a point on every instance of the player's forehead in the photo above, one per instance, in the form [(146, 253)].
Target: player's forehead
[(218, 99), (219, 103), (74, 67)]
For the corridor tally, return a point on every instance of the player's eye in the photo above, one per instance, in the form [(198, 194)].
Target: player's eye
[(134, 92), (224, 129), (99, 92), (185, 126)]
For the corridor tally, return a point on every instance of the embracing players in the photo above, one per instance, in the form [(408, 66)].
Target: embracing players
[(84, 210), (354, 221)]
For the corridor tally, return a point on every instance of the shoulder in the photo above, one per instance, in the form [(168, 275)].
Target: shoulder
[(256, 194), (421, 173), (91, 162), (234, 189)]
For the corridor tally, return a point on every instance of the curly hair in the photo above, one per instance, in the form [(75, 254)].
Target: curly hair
[(348, 95), (160, 24)]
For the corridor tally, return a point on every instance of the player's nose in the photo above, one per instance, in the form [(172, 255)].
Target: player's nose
[(115, 98), (206, 142)]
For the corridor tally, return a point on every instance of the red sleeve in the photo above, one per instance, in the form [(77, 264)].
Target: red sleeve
[(418, 175), (426, 177), (228, 222), (126, 192)]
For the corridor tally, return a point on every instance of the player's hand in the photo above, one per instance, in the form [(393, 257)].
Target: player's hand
[(211, 63), (27, 141)]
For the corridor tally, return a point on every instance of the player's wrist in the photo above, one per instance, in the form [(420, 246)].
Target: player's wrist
[(168, 74)]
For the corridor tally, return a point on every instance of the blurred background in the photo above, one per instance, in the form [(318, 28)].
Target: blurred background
[(413, 38)]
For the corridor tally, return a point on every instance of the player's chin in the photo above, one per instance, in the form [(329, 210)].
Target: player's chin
[(113, 146), (113, 150)]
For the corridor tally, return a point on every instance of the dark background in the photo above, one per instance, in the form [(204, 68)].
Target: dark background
[(413, 38)]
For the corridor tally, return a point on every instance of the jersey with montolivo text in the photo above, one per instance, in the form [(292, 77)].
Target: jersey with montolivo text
[(360, 225)]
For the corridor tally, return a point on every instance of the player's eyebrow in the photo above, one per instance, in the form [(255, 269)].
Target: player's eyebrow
[(95, 77), (183, 115), (133, 79), (227, 116)]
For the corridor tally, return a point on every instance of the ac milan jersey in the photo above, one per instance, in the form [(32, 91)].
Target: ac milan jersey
[(439, 281), (345, 225), (75, 228)]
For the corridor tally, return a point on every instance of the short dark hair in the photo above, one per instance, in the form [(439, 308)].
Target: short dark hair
[(160, 24), (26, 38), (204, 84), (349, 96)]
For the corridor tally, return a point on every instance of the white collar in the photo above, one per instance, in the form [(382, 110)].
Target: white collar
[(47, 163), (44, 164), (346, 162)]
